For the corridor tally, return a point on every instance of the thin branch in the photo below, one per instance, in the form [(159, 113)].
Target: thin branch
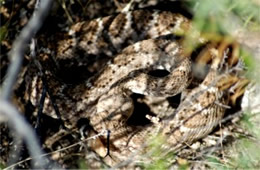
[(21, 127), (15, 119), (59, 150), (20, 44)]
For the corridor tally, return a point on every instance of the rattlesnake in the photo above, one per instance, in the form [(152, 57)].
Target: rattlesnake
[(152, 42)]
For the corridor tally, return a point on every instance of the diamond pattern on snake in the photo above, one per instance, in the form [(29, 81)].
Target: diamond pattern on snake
[(121, 51)]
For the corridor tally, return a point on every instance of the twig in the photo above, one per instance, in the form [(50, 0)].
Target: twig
[(59, 150), (18, 123), (19, 47), (48, 91)]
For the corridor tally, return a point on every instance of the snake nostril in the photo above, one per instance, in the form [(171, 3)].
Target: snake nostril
[(159, 73)]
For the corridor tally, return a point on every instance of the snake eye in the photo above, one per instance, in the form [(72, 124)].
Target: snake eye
[(159, 73)]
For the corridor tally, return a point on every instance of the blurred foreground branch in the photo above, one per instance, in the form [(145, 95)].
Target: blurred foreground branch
[(20, 44), (7, 109), (19, 125)]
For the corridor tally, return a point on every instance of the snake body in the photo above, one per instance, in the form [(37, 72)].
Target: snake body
[(135, 43)]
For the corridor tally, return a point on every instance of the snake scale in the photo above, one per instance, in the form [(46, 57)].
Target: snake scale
[(121, 50)]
